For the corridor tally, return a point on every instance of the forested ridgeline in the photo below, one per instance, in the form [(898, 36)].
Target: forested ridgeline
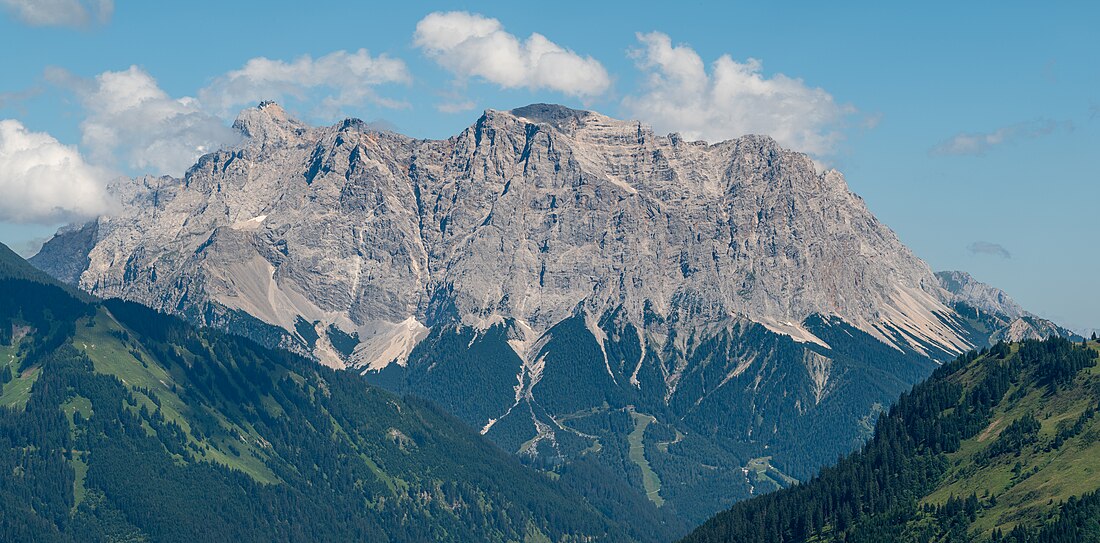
[(121, 424), (998, 445)]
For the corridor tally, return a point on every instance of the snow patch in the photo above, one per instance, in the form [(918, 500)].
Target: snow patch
[(250, 224)]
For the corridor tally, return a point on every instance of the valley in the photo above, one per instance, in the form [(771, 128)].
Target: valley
[(998, 445)]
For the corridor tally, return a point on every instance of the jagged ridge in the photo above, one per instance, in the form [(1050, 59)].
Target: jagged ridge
[(526, 214)]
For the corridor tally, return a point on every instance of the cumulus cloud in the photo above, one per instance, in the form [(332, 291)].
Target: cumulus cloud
[(988, 248), (978, 143), (471, 45), (60, 12), (733, 99), (341, 78), (130, 118), (44, 181)]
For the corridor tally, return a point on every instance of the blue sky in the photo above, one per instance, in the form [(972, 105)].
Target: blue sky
[(971, 129)]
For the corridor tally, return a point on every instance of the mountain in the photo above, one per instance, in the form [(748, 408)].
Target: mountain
[(989, 308), (121, 424), (14, 267), (999, 445), (532, 215), (689, 315)]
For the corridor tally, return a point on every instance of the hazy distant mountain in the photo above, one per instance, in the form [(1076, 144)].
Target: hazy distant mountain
[(991, 309), (698, 317)]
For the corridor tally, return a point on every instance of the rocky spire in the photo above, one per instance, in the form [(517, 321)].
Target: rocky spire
[(269, 123)]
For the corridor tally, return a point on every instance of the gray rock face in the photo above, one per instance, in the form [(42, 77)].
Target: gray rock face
[(526, 214), (964, 288), (1010, 321)]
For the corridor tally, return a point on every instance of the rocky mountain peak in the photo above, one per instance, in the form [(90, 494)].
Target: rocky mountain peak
[(556, 115), (268, 123), (965, 288), (1002, 314)]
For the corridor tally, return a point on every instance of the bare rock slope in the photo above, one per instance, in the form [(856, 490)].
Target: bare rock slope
[(1005, 318)]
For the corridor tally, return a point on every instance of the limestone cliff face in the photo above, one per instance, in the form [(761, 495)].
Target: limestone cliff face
[(552, 277), (1009, 321), (527, 214), (964, 288)]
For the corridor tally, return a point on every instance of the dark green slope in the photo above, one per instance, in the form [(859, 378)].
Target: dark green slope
[(999, 445), (12, 266), (744, 407), (120, 424)]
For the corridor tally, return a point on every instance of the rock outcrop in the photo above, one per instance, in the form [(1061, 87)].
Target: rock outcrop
[(1009, 321)]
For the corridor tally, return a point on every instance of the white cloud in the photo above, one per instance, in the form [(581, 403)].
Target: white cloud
[(341, 78), (471, 45), (456, 106), (977, 143), (732, 100), (130, 118), (60, 12), (44, 181)]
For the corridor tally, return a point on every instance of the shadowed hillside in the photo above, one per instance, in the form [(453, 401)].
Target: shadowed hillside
[(999, 445)]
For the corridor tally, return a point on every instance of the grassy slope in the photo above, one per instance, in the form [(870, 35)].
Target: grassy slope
[(112, 355), (1046, 476), (16, 392), (650, 481), (83, 406), (993, 480)]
